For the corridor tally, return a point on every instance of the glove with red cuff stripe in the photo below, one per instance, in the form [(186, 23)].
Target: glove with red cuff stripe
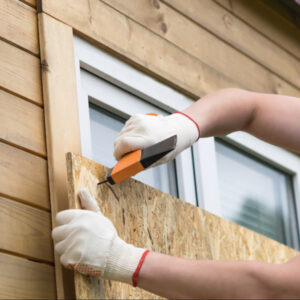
[(88, 242), (142, 131)]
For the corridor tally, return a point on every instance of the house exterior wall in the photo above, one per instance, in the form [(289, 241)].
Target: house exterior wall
[(26, 250), (193, 46)]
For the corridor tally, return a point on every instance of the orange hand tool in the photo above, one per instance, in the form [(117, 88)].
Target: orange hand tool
[(139, 160)]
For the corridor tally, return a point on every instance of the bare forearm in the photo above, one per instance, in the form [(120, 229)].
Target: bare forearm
[(273, 118), (179, 278)]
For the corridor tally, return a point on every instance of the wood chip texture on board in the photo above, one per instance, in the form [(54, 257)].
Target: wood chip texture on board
[(160, 222)]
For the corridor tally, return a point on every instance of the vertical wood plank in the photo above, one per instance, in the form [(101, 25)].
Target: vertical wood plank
[(61, 117)]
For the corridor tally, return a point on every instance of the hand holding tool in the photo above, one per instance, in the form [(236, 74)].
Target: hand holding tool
[(139, 160), (142, 131)]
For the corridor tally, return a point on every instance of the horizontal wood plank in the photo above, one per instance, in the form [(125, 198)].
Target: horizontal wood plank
[(107, 28), (192, 38), (24, 279), (20, 73), (23, 176), (227, 27), (22, 123), (25, 230), (153, 53), (258, 15), (18, 24)]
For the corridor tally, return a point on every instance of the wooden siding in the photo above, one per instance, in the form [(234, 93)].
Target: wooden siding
[(18, 25), (25, 230), (197, 60), (22, 124), (23, 176), (26, 248), (24, 279), (256, 14), (201, 43), (20, 73), (194, 54)]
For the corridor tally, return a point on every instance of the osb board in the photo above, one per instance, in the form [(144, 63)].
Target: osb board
[(149, 218)]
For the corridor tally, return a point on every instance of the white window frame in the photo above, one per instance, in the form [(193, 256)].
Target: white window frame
[(202, 160), (123, 75)]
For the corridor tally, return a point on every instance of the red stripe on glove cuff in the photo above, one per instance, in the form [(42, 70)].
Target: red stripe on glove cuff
[(137, 270), (199, 132)]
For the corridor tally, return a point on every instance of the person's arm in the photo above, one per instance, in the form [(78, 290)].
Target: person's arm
[(179, 278), (88, 242), (272, 118)]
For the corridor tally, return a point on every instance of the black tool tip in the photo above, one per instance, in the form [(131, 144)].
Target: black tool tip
[(102, 182)]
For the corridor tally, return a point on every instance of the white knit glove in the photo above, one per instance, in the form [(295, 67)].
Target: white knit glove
[(88, 243), (142, 131)]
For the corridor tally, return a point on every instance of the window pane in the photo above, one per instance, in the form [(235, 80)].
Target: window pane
[(254, 194), (105, 126)]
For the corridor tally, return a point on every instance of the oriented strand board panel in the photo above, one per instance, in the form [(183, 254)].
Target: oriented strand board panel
[(24, 279), (25, 230), (23, 176), (18, 25), (215, 48), (131, 41), (258, 15), (22, 123), (20, 73), (149, 218)]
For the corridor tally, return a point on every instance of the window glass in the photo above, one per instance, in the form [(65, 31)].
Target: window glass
[(254, 194), (105, 126)]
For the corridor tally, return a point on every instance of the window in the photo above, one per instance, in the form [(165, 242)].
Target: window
[(237, 177), (104, 127), (255, 194), (110, 92)]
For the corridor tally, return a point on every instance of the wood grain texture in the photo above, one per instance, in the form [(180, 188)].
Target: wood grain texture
[(259, 16), (24, 279), (111, 30), (25, 230), (20, 73), (192, 38), (149, 218), (18, 24), (61, 117), (23, 176), (242, 37), (22, 123)]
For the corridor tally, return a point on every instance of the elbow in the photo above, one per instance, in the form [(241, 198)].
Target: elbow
[(270, 281)]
